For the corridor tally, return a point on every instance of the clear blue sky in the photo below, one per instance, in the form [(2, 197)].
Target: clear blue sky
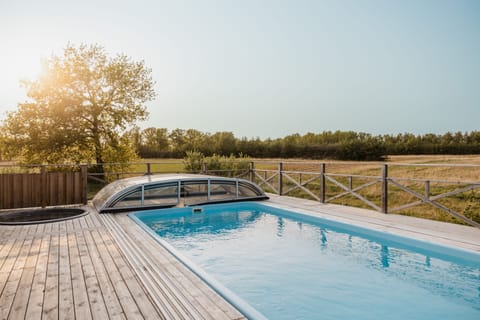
[(271, 68)]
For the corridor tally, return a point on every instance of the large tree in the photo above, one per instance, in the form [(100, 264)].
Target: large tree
[(78, 108)]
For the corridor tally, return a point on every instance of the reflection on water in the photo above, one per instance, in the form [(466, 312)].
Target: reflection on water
[(280, 227), (384, 256), (192, 224)]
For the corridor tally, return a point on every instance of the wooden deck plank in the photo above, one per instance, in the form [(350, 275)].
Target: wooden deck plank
[(6, 233), (48, 228), (83, 223), (10, 257), (112, 303), (5, 251), (97, 304), (80, 297), (69, 224), (76, 224), (35, 303), (105, 246), (189, 292), (22, 295), (163, 297), (65, 290), (142, 300), (50, 302), (62, 227), (190, 285), (10, 288), (91, 224), (76, 269), (21, 231), (40, 228), (202, 296), (170, 296)]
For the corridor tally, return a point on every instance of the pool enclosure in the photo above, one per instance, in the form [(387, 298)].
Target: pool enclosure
[(170, 190)]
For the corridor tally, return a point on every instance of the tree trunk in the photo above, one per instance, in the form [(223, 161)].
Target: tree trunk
[(99, 169)]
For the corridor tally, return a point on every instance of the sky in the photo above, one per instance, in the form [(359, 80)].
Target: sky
[(270, 68)]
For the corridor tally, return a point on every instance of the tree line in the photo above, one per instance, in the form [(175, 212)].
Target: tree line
[(82, 108), (339, 145)]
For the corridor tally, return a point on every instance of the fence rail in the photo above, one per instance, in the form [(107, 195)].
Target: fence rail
[(65, 184)]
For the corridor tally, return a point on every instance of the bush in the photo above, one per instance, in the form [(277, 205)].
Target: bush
[(194, 161)]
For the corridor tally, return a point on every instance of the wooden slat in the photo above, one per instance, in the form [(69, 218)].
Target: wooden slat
[(106, 248), (81, 305), (191, 292), (146, 308), (17, 190), (65, 290), (75, 270), (35, 304), (10, 288), (26, 190), (356, 195), (162, 297), (97, 304), (173, 285), (22, 295), (50, 303), (10, 254), (110, 298), (37, 190), (69, 191)]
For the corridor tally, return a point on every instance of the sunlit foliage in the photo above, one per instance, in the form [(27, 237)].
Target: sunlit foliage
[(78, 108)]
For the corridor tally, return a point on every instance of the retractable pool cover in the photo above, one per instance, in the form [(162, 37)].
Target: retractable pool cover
[(170, 190)]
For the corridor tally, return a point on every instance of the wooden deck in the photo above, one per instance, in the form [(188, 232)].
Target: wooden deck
[(98, 267)]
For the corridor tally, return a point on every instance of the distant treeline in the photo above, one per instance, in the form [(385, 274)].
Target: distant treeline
[(339, 145)]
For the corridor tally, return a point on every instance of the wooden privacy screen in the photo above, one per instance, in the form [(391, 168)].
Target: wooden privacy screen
[(41, 189)]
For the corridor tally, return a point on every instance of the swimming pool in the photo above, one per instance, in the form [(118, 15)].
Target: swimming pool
[(288, 265)]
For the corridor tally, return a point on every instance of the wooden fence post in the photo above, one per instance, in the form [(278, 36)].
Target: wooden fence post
[(149, 169), (427, 189), (280, 179), (84, 177), (44, 191), (251, 171), (385, 188), (204, 168), (322, 183)]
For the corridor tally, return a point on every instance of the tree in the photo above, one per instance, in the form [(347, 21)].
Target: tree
[(78, 108)]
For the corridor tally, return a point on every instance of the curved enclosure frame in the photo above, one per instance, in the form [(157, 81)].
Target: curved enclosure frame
[(170, 190)]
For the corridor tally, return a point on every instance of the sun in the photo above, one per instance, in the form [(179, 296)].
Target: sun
[(17, 64)]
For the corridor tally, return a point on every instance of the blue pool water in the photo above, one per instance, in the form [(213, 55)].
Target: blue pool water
[(289, 266)]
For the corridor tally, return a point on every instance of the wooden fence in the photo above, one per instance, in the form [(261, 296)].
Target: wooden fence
[(313, 180), (42, 189), (316, 184)]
